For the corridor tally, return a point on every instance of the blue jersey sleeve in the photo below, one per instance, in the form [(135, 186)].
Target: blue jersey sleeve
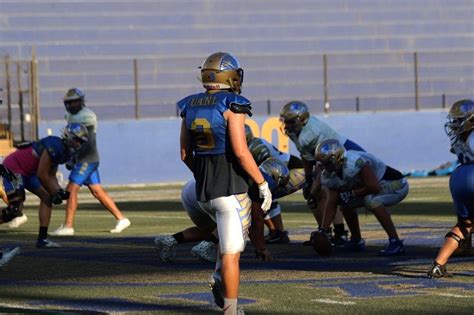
[(55, 147), (182, 105)]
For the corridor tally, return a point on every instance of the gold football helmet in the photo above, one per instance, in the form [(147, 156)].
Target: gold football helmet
[(293, 117), (329, 155), (277, 170), (222, 71), (460, 119)]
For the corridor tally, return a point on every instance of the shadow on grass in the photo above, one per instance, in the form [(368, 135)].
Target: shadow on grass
[(411, 208)]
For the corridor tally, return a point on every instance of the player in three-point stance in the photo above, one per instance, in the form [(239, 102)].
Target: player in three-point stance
[(307, 132), (352, 179), (33, 167)]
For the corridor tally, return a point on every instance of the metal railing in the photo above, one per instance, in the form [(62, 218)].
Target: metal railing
[(149, 87)]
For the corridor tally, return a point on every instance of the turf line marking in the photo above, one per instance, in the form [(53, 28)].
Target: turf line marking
[(453, 295), (427, 261), (329, 301)]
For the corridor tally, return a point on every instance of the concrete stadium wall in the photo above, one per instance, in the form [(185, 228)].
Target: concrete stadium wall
[(147, 151)]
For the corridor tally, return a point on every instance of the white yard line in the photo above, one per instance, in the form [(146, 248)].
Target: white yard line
[(454, 295), (329, 301)]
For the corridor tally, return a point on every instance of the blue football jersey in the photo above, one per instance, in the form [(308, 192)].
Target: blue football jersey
[(203, 114), (55, 147)]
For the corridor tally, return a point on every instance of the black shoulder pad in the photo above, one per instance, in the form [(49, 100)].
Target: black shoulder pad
[(241, 109)]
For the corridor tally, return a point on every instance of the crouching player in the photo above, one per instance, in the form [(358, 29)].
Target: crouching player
[(262, 150), (355, 179), (33, 167), (459, 129), (277, 175), (307, 132)]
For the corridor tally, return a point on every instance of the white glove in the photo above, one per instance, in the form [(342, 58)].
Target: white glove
[(265, 194)]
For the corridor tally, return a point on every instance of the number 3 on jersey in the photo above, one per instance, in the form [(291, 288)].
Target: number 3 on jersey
[(202, 134)]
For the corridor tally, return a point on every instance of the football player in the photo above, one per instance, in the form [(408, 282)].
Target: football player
[(214, 148), (276, 174), (354, 179), (459, 130), (262, 150), (307, 132), (85, 170), (17, 221), (33, 167)]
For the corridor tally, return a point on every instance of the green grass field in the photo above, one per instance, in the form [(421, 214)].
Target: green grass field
[(97, 272)]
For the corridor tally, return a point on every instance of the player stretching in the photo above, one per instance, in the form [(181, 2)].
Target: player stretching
[(214, 148)]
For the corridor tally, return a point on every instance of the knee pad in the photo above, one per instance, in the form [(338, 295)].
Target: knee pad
[(455, 237), (465, 225)]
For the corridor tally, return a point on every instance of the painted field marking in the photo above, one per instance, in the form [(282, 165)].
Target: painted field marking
[(423, 261), (329, 301), (454, 295)]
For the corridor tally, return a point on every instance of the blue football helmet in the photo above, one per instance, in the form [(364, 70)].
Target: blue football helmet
[(222, 71)]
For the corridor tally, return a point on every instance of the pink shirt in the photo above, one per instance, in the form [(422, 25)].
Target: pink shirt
[(22, 161)]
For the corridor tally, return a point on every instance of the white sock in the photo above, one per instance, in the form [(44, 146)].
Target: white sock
[(230, 306)]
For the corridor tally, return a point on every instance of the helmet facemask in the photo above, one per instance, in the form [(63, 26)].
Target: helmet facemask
[(75, 137), (460, 119), (293, 117), (277, 170), (74, 100)]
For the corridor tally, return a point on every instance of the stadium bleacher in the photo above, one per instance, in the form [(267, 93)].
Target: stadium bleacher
[(369, 46)]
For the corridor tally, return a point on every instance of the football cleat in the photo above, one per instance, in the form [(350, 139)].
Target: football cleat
[(217, 288), (355, 245), (165, 245), (121, 225), (339, 239), (321, 240), (393, 247), (16, 222), (437, 271), (206, 251), (8, 255), (277, 237), (63, 230), (45, 243)]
